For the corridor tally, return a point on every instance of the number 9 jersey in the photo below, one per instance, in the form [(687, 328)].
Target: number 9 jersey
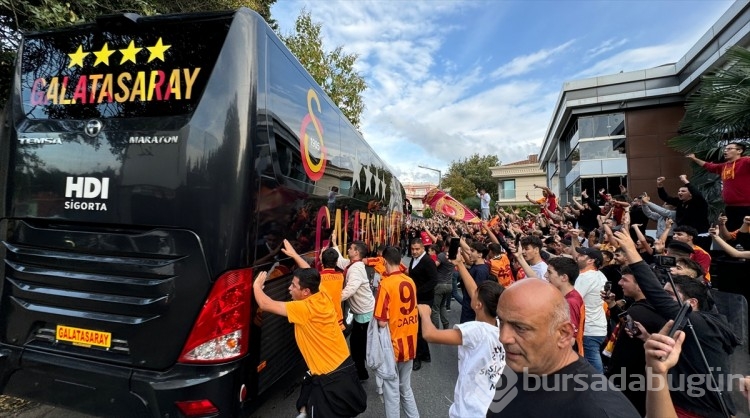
[(396, 304)]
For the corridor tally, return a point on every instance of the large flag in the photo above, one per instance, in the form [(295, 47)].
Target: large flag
[(444, 203)]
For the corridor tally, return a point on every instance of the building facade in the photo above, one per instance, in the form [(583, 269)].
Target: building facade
[(415, 192), (516, 179), (612, 130)]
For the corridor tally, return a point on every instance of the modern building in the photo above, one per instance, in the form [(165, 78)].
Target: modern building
[(516, 179), (415, 192), (612, 130)]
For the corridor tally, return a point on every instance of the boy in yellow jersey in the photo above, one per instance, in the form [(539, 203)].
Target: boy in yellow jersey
[(322, 345), (396, 306)]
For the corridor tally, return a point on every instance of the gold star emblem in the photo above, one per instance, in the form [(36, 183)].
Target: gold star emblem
[(102, 56), (77, 57), (157, 51), (128, 54)]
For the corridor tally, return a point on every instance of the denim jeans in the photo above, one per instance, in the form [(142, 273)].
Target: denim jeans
[(455, 293), (592, 351)]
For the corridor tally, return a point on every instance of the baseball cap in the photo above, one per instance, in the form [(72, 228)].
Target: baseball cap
[(680, 246), (591, 253)]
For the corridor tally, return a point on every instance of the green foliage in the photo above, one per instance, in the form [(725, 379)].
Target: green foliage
[(427, 212), (718, 113), (466, 176), (334, 71), (472, 202), (17, 16)]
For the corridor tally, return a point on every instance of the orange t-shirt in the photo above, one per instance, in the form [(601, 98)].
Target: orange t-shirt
[(397, 304), (317, 332), (500, 268), (332, 282)]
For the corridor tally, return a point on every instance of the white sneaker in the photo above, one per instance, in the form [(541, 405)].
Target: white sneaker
[(302, 415)]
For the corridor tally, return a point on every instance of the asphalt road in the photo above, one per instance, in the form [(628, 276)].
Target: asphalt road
[(432, 385)]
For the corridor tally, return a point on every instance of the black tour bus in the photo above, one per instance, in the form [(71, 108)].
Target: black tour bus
[(149, 168)]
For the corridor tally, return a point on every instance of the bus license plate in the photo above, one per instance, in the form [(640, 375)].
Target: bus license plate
[(83, 337)]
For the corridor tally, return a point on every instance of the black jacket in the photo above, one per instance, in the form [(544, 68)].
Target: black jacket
[(716, 339), (424, 275), (629, 357), (693, 212)]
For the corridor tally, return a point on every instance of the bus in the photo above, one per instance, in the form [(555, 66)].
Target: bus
[(150, 167)]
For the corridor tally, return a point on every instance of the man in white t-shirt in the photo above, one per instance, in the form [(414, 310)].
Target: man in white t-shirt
[(589, 284), (530, 258), (484, 203)]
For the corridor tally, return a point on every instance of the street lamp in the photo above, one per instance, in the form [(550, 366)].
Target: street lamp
[(440, 173)]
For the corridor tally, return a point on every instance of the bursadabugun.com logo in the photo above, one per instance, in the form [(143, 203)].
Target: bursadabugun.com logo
[(505, 390), (694, 385)]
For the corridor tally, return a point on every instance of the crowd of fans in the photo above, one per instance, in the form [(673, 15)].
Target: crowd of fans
[(584, 291)]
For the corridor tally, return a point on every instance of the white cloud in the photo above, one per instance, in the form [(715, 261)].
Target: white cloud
[(433, 97), (526, 63), (605, 46), (637, 59)]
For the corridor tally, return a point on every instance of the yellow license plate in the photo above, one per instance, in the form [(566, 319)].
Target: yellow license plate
[(83, 337)]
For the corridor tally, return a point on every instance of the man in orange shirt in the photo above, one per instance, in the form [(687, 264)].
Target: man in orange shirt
[(331, 280), (322, 345), (396, 306)]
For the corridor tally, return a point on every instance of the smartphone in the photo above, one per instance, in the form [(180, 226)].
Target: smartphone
[(453, 248), (607, 287), (681, 319), (631, 327)]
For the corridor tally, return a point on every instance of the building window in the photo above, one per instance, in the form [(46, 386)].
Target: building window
[(601, 125), (508, 189), (601, 149)]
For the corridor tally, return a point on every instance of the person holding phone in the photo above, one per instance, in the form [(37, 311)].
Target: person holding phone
[(713, 334), (628, 355)]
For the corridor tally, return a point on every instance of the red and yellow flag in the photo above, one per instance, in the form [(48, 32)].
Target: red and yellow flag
[(444, 203)]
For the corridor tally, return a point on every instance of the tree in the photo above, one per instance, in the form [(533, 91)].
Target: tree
[(427, 213), (334, 71), (30, 15), (466, 176), (718, 113)]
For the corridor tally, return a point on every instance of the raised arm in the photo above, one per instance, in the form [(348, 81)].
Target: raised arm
[(289, 251), (524, 265), (263, 300), (545, 188), (647, 280), (696, 159), (642, 239), (577, 204), (667, 229), (697, 195), (463, 273), (434, 335), (663, 193), (491, 235), (659, 210), (731, 251)]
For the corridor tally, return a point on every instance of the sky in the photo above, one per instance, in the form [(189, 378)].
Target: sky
[(451, 78)]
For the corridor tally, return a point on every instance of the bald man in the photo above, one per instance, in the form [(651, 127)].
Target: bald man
[(544, 375)]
